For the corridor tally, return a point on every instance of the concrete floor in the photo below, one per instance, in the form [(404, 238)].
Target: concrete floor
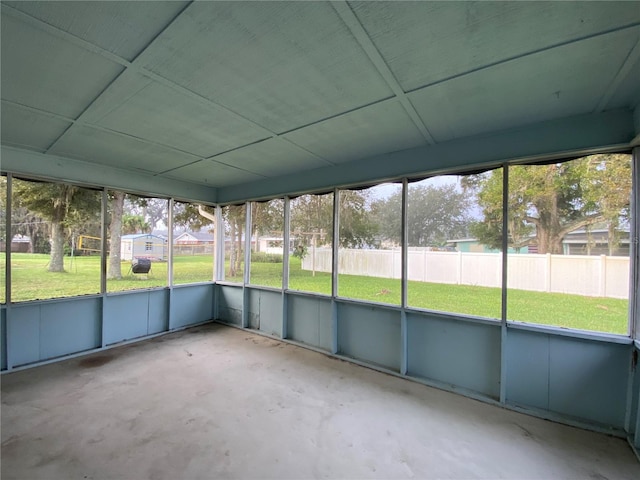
[(217, 402)]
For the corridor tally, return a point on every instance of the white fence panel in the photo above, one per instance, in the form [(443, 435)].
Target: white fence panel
[(616, 277), (528, 272), (442, 267), (575, 274), (481, 269), (599, 276)]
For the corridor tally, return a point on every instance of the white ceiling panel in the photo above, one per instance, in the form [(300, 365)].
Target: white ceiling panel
[(425, 42), (280, 64), (524, 91), (212, 173), (42, 71), (29, 129), (115, 150), (123, 28), (381, 128), (271, 157), (165, 116)]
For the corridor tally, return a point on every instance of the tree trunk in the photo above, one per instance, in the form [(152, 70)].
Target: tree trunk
[(232, 252), (115, 236), (240, 254), (56, 262), (612, 239)]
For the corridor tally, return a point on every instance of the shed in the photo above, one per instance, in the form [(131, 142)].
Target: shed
[(143, 245)]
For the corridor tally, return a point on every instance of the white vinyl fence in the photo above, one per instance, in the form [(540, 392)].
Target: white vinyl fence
[(597, 276)]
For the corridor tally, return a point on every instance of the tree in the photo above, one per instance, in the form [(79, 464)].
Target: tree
[(267, 218), (63, 205), (134, 224), (554, 200), (357, 221), (115, 235), (235, 217), (435, 213), (314, 213), (152, 210), (489, 230), (312, 219)]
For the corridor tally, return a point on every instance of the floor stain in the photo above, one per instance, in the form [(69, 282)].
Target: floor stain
[(94, 362)]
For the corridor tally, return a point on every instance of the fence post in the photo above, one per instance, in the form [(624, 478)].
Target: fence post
[(547, 273), (459, 269), (602, 290), (424, 264)]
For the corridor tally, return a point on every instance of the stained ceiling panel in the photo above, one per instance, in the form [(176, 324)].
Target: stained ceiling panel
[(213, 174), (627, 93), (115, 150), (426, 42), (524, 91), (381, 128), (162, 115), (271, 157), (280, 64), (42, 71), (123, 28), (29, 129)]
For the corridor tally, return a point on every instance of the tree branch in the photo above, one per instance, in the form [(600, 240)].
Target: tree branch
[(583, 222)]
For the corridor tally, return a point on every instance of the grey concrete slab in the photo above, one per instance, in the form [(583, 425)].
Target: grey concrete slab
[(218, 402)]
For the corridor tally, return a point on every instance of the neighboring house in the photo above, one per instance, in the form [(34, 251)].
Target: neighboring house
[(194, 238), (595, 242), (578, 242), (272, 244), (143, 245), (193, 243), (474, 246)]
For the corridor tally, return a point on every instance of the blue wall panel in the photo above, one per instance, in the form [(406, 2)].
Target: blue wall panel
[(52, 329), (635, 403), (158, 311), (589, 379), (254, 308), (125, 316), (69, 326), (3, 338), (371, 334), (527, 363), (265, 311), (580, 378), (23, 334), (190, 305), (454, 352), (230, 304), (309, 320)]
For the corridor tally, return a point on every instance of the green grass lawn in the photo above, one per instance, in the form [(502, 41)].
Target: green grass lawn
[(30, 281)]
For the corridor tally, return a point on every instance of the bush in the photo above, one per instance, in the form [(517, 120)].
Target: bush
[(262, 257)]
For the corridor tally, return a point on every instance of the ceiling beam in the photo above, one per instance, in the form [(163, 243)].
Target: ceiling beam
[(621, 75), (554, 139), (58, 168), (349, 18)]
